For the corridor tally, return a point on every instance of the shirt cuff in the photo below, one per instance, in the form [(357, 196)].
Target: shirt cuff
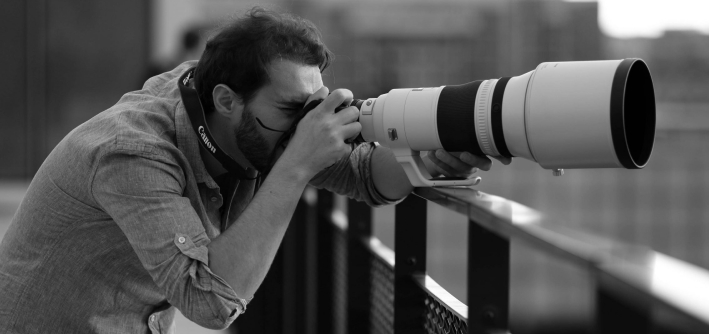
[(221, 299)]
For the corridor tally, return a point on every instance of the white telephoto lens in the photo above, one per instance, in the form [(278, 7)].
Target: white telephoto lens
[(586, 114)]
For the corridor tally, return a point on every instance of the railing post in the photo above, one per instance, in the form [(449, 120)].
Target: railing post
[(359, 218), (410, 259), (301, 266), (268, 303), (488, 280), (326, 269), (286, 300)]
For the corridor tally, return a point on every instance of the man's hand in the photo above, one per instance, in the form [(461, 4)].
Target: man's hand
[(319, 140), (458, 164), (243, 253)]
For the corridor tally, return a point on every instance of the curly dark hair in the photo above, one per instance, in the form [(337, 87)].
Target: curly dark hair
[(240, 53)]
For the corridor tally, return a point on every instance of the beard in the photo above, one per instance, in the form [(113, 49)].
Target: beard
[(251, 143)]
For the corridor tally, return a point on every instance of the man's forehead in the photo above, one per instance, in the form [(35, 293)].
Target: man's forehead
[(291, 81)]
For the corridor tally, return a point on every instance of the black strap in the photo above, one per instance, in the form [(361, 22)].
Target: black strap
[(195, 112)]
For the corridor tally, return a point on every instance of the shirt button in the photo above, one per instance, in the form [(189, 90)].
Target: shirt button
[(181, 240), (152, 318), (214, 199)]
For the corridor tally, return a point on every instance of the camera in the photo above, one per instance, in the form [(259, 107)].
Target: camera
[(562, 115)]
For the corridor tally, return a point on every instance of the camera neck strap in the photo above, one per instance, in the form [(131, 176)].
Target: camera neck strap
[(195, 112)]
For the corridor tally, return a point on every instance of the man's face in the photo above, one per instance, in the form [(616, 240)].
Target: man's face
[(276, 106)]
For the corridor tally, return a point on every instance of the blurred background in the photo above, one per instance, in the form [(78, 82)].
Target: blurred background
[(69, 60)]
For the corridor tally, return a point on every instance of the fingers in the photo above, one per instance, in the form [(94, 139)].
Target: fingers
[(348, 115), (453, 160), (449, 165), (336, 99), (344, 132), (441, 167), (321, 94), (504, 160), (351, 130), (481, 162), (460, 164)]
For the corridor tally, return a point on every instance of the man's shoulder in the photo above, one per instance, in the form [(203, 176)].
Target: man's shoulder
[(149, 114), (144, 121), (166, 83), (138, 121), (152, 110)]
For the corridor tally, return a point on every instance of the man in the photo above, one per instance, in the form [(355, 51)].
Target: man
[(133, 212)]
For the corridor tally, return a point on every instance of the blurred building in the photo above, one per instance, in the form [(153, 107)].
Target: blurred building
[(679, 61), (65, 61), (383, 44), (73, 59)]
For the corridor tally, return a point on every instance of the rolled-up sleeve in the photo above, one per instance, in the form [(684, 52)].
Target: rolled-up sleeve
[(351, 176), (142, 192)]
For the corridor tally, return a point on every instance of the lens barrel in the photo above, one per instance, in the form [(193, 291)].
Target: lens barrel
[(563, 115), (587, 114)]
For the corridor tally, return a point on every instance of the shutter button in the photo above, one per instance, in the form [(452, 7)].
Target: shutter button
[(181, 240)]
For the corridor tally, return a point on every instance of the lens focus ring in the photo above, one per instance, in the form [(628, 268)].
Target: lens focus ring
[(483, 126)]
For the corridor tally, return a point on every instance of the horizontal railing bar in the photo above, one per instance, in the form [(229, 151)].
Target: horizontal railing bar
[(677, 284), (513, 220), (442, 295), (373, 244), (380, 250), (386, 255), (631, 272)]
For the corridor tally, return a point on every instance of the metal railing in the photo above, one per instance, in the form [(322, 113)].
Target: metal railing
[(333, 276)]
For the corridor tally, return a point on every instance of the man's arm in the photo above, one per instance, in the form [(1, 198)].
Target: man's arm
[(243, 254), (388, 175), (144, 193)]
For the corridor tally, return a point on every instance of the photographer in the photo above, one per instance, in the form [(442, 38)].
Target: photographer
[(134, 213)]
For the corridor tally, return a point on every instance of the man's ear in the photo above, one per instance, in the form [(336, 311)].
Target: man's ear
[(226, 102)]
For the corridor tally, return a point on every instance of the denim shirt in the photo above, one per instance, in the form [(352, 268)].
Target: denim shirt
[(111, 236)]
